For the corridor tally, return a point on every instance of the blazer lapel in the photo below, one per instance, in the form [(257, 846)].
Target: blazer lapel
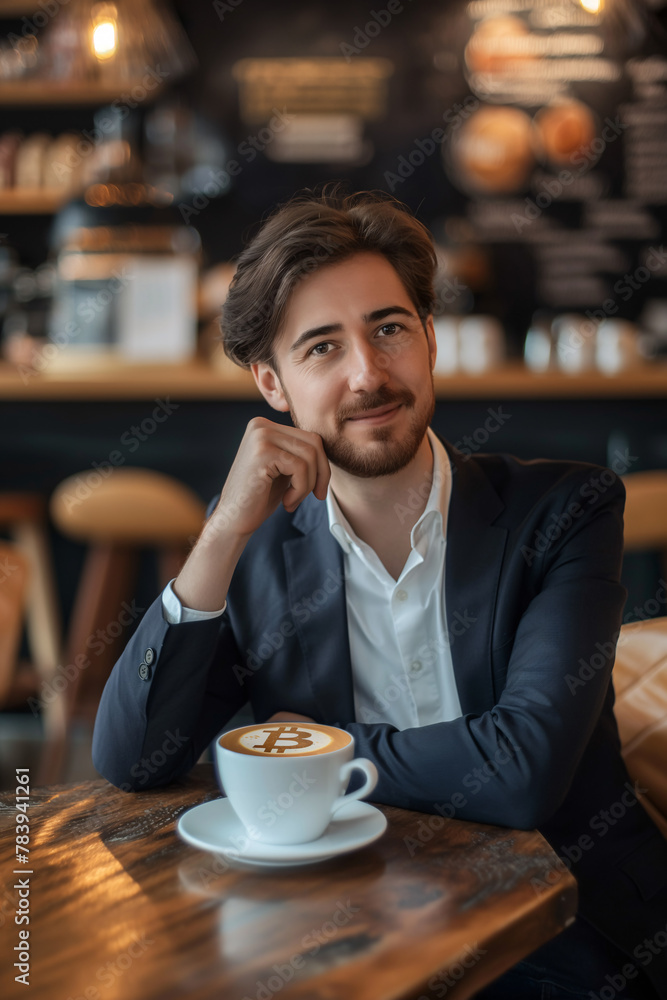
[(474, 553), (316, 590)]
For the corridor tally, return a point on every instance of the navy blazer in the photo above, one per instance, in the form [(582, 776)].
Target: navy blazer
[(533, 604)]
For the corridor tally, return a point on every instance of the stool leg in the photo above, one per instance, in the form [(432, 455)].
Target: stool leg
[(42, 615), (95, 633), (170, 562)]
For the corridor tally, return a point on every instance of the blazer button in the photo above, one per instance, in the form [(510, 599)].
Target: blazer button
[(144, 671), (149, 656)]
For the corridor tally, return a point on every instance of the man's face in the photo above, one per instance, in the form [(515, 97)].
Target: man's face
[(354, 365)]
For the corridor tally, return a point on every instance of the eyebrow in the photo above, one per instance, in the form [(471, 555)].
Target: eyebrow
[(373, 317)]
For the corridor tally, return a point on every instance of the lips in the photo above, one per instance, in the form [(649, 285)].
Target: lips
[(378, 412)]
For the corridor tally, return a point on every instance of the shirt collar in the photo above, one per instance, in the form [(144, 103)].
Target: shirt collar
[(434, 515)]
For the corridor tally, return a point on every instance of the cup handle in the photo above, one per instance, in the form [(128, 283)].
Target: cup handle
[(369, 769)]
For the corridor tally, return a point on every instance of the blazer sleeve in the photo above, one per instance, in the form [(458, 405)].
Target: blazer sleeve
[(155, 718), (513, 765)]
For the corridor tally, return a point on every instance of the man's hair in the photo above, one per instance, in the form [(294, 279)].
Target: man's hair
[(312, 230)]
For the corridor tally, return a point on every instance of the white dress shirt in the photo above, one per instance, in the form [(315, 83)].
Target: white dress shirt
[(402, 670)]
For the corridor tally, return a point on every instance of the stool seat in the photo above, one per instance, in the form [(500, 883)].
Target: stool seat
[(116, 514), (646, 510), (138, 507)]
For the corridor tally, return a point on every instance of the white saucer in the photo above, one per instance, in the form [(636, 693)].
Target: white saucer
[(214, 826)]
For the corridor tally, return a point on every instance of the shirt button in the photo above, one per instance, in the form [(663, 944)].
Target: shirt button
[(144, 671), (149, 656), (415, 666), (401, 595)]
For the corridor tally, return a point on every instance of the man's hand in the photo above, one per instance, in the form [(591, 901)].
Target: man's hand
[(274, 464), (289, 717)]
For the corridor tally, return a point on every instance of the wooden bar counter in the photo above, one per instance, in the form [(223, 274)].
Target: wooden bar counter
[(197, 380)]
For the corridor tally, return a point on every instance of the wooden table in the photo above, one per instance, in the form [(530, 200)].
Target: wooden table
[(119, 906)]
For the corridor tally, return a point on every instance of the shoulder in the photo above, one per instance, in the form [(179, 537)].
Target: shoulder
[(524, 485)]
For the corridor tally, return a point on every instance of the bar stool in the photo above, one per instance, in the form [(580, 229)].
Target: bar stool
[(646, 512), (116, 515), (14, 577), (24, 517)]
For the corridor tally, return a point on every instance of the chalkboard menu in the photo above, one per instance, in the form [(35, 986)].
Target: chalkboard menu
[(556, 144)]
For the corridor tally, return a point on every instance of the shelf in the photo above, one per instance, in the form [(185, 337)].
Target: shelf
[(37, 201), (82, 92), (16, 8), (196, 380)]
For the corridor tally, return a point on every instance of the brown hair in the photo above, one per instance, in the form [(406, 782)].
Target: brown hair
[(312, 230)]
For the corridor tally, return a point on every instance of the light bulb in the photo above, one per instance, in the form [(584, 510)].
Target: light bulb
[(104, 39)]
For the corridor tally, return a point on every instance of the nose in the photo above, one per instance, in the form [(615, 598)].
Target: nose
[(368, 367)]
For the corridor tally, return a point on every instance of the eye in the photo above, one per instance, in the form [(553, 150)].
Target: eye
[(316, 349), (391, 327)]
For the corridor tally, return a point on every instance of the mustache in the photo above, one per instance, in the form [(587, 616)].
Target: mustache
[(371, 401)]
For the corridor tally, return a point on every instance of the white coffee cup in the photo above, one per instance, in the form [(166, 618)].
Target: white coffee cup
[(285, 788), (481, 344), (447, 341), (617, 346), (575, 342)]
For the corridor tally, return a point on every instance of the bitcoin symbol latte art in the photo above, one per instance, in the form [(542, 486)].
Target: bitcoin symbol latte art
[(285, 738)]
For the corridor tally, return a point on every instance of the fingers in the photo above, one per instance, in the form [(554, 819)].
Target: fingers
[(322, 462), (315, 473), (298, 471)]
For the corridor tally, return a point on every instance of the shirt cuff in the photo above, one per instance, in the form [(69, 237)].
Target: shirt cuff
[(174, 613)]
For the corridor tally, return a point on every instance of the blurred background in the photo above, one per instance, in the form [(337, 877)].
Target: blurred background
[(141, 144)]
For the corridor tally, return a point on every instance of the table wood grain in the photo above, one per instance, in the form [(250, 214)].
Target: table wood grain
[(119, 906)]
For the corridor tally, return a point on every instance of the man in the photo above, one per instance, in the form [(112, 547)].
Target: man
[(357, 571)]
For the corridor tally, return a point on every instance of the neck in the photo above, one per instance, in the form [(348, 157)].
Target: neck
[(386, 503)]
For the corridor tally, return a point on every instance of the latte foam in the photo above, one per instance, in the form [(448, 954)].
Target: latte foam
[(284, 739)]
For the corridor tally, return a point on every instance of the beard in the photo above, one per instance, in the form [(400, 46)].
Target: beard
[(387, 454)]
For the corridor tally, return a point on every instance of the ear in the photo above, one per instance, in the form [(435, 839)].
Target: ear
[(432, 344), (269, 385)]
